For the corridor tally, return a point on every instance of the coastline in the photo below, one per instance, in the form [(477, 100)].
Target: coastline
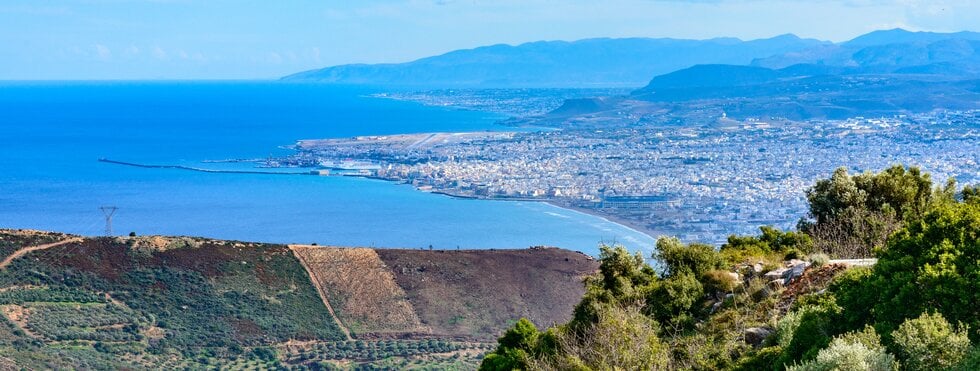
[(628, 224)]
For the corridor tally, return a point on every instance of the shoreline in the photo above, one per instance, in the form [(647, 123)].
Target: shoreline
[(628, 224)]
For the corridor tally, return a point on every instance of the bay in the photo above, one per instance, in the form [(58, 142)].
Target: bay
[(53, 133)]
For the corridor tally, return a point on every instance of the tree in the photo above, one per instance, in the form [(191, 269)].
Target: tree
[(830, 197), (678, 259), (514, 348), (851, 216), (970, 194), (623, 279), (933, 264)]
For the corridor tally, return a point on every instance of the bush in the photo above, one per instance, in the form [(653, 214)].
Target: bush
[(853, 215), (514, 348), (765, 359), (672, 300), (785, 328), (819, 259), (852, 356), (852, 292), (771, 241), (930, 343), (817, 324), (678, 258), (867, 337), (908, 191), (971, 362), (719, 280), (622, 339)]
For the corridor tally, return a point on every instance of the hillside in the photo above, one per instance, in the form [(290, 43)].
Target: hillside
[(164, 302), (583, 63)]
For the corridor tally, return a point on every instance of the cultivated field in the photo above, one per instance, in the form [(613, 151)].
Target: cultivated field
[(361, 290)]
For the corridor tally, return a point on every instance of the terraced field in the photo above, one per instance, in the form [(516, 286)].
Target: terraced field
[(361, 290)]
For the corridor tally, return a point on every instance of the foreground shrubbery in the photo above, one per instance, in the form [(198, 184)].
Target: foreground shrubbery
[(916, 309)]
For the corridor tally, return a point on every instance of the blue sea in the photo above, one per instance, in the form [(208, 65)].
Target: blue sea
[(53, 133)]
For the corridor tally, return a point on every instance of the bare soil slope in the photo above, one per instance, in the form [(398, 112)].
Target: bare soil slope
[(477, 294)]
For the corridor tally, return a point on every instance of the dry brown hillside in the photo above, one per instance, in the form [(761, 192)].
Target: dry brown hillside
[(479, 293)]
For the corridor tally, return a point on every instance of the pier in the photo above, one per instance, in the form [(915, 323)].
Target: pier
[(181, 167)]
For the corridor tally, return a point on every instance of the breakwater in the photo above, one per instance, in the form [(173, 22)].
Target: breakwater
[(181, 167)]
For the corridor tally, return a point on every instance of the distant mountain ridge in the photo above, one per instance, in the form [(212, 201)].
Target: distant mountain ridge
[(880, 73), (891, 51), (583, 63)]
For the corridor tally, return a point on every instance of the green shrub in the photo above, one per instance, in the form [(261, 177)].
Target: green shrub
[(817, 325), (785, 328), (672, 300), (678, 258), (853, 292), (908, 191), (764, 359), (971, 362), (719, 280), (622, 339), (971, 194), (514, 349), (792, 254), (771, 241), (867, 337), (930, 343), (819, 259), (851, 356)]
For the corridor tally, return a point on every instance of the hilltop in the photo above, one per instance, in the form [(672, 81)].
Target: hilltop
[(160, 302)]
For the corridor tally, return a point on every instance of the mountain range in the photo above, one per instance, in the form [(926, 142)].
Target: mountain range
[(634, 61), (881, 73), (600, 62)]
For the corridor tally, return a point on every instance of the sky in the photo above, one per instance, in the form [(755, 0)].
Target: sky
[(266, 39)]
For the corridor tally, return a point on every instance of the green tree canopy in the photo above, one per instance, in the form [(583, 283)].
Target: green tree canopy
[(933, 264), (906, 191)]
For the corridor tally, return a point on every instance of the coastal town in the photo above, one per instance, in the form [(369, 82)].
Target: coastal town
[(698, 182)]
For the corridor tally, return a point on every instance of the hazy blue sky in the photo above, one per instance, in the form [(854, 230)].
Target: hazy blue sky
[(181, 39)]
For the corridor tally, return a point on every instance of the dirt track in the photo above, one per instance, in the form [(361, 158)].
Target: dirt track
[(28, 249)]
